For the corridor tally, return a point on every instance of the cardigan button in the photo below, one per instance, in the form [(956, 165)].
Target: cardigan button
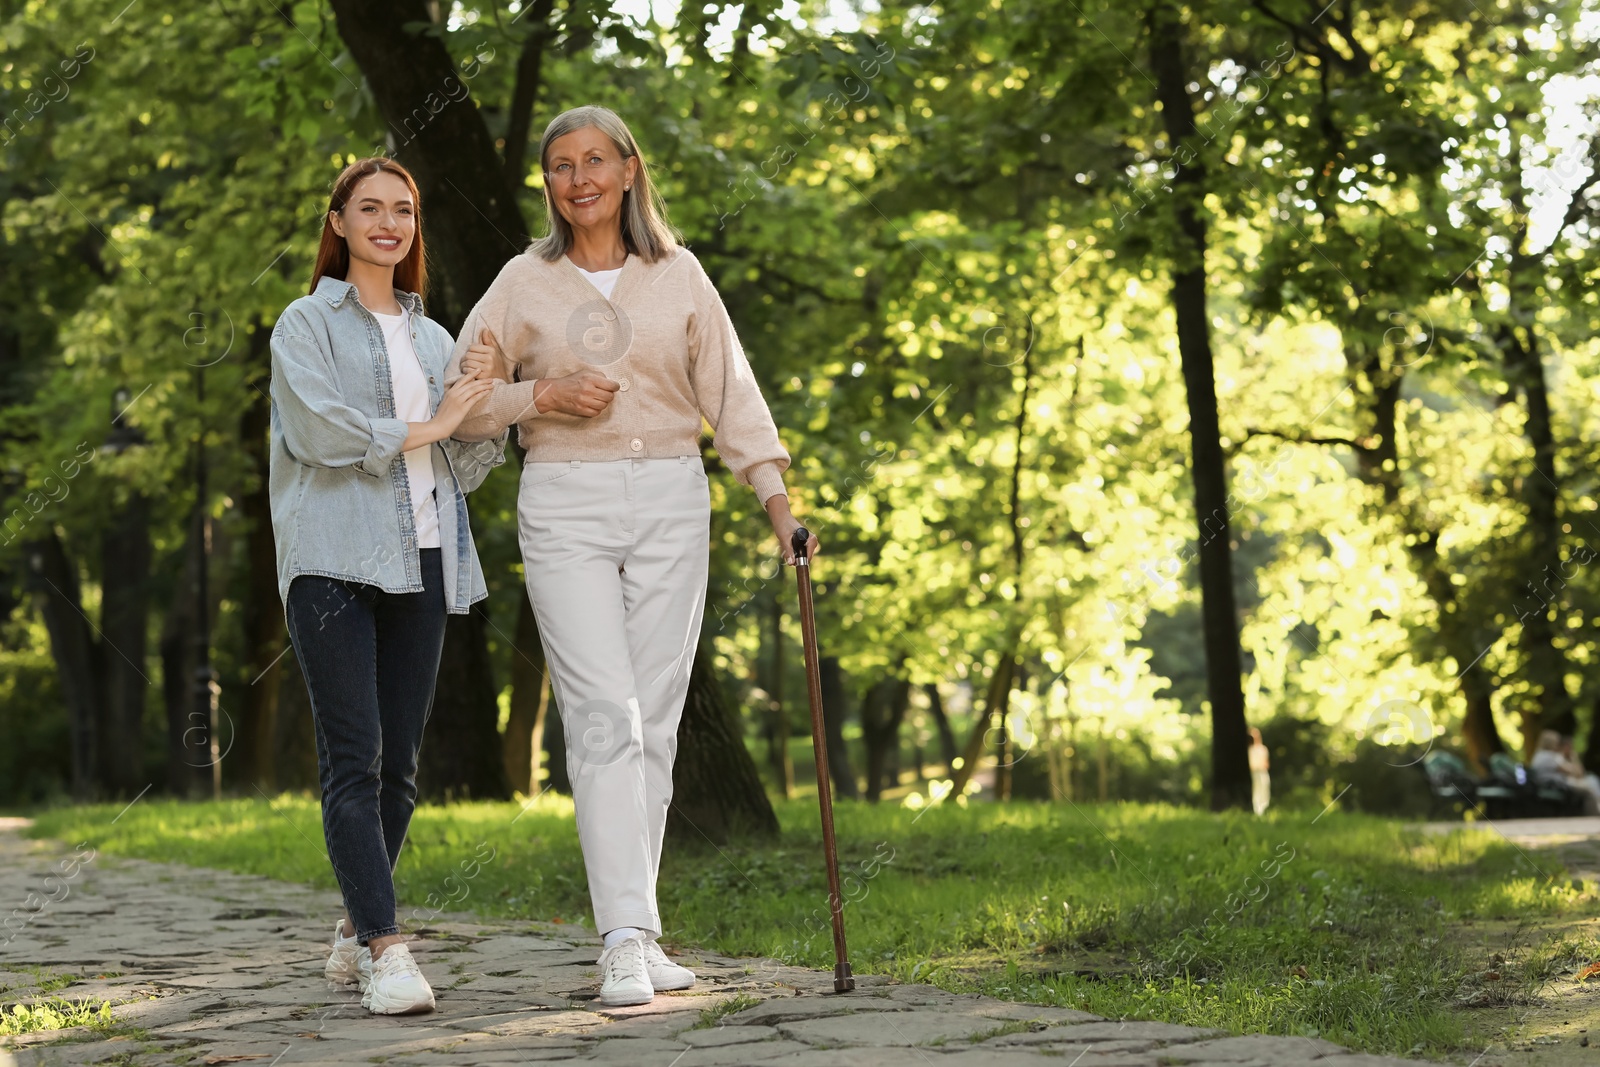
[(622, 384), (636, 444)]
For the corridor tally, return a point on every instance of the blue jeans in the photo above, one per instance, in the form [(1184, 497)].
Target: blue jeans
[(370, 660)]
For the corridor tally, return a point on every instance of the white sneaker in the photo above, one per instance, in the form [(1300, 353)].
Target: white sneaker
[(397, 986), (664, 974), (623, 977), (350, 962)]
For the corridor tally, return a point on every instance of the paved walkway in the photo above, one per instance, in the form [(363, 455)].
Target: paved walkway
[(1525, 829), (215, 968)]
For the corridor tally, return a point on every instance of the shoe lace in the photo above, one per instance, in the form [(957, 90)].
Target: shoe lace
[(623, 959), (398, 961)]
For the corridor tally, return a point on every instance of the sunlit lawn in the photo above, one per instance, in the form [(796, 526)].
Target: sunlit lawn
[(1338, 926)]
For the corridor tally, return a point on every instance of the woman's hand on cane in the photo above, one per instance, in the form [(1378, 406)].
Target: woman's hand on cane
[(784, 525)]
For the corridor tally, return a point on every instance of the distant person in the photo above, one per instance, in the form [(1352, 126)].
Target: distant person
[(1260, 780), (374, 550), (1554, 761)]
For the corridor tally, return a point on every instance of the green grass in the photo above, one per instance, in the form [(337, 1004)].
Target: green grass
[(56, 1013), (714, 1015), (44, 982), (1123, 911)]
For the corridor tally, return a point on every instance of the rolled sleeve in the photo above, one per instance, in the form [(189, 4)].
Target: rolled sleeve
[(319, 428), (472, 461)]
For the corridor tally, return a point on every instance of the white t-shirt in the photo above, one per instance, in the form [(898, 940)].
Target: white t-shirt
[(1547, 764), (603, 280), (411, 403)]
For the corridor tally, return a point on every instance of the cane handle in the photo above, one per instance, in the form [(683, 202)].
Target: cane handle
[(800, 540)]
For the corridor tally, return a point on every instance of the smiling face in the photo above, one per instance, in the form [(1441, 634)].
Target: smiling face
[(587, 177), (379, 221)]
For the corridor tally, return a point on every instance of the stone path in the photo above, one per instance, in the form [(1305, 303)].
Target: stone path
[(215, 968)]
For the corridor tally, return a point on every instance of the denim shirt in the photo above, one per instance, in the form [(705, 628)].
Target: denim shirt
[(341, 500)]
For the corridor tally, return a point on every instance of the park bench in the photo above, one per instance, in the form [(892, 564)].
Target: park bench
[(1510, 791)]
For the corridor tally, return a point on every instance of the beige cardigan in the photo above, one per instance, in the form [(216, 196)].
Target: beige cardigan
[(664, 337)]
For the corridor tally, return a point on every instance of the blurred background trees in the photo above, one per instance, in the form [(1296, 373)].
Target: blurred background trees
[(1149, 371)]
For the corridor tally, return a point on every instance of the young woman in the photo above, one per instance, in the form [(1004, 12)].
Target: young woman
[(370, 516), (618, 346)]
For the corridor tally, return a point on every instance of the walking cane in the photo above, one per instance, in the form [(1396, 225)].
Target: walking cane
[(842, 981)]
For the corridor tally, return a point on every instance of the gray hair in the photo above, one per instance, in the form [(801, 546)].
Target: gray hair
[(646, 232)]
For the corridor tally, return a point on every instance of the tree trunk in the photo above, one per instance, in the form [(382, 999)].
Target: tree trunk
[(834, 711), (1591, 746), (998, 699), (1379, 465), (777, 719), (294, 743), (1478, 730), (525, 90), (461, 752), (883, 708), (1230, 770), (1545, 666), (1003, 747), (55, 578), (941, 722), (124, 626), (188, 742), (900, 703), (555, 749), (474, 223), (1101, 764), (716, 788), (261, 613), (530, 701)]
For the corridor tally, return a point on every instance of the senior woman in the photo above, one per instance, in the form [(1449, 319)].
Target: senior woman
[(613, 345)]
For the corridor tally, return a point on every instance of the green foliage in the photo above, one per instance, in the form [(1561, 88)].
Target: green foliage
[(54, 1013), (712, 1016), (945, 236), (1308, 922), (35, 761)]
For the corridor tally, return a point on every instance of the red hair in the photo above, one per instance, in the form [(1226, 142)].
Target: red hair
[(333, 254)]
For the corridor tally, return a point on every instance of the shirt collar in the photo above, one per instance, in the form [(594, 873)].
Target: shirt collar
[(335, 291)]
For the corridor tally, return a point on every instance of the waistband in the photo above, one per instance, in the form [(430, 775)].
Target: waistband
[(577, 464)]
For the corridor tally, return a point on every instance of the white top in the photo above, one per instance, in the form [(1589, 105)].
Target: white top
[(1547, 763), (603, 280), (411, 403)]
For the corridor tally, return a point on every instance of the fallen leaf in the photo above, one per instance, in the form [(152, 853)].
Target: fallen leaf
[(1298, 971), (1589, 971)]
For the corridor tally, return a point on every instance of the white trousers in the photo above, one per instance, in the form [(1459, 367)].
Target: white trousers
[(615, 556)]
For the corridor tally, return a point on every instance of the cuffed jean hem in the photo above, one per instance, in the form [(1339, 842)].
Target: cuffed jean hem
[(647, 921), (387, 931)]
